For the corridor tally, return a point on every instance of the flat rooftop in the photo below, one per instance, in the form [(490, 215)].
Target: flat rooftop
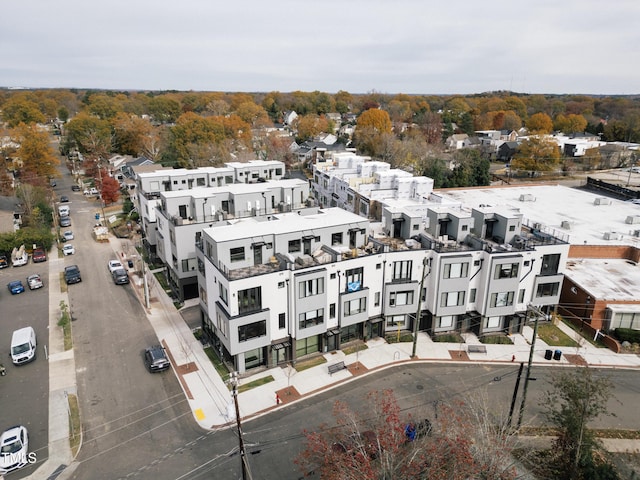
[(606, 279), (572, 212), (234, 188)]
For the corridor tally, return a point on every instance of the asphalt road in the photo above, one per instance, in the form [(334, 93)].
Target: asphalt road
[(24, 390)]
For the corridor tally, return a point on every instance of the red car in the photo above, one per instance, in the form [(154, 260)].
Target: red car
[(39, 255)]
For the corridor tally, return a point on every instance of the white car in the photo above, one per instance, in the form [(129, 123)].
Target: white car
[(114, 265), (68, 249), (68, 235), (14, 447), (34, 281)]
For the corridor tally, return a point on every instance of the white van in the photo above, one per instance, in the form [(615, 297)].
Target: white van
[(63, 210), (23, 345)]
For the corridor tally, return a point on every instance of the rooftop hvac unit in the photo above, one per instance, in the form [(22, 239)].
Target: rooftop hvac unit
[(602, 201), (636, 233), (527, 197), (631, 219), (566, 224), (612, 236)]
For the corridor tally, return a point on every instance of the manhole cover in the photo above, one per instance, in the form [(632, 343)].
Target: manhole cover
[(419, 387)]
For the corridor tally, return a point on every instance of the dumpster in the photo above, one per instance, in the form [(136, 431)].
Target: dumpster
[(548, 354), (557, 355)]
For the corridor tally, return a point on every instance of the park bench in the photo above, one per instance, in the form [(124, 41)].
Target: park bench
[(336, 367), (476, 349)]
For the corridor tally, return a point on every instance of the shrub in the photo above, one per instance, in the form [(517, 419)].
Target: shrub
[(627, 334)]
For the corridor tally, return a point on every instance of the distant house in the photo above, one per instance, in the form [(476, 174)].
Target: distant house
[(289, 118), (506, 151), (457, 141), (10, 214)]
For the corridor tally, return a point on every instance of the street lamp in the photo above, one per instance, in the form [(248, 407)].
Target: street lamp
[(426, 270)]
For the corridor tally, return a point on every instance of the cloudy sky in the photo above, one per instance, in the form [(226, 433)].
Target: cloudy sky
[(390, 46)]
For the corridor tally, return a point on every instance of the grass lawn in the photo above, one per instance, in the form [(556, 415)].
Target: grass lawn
[(255, 383), (300, 366), (75, 428), (220, 367), (555, 337)]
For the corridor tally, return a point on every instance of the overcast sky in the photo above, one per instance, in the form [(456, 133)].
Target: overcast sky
[(390, 46)]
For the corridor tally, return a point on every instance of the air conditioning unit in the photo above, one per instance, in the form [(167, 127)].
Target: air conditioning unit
[(612, 236), (602, 201), (566, 224), (631, 219), (527, 197)]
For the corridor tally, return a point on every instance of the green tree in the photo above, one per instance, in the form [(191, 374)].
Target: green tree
[(164, 109), (576, 398), (90, 135)]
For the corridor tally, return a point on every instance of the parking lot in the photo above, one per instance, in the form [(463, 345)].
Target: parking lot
[(24, 390)]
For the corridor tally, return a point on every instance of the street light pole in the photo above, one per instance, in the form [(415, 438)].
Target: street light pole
[(426, 269)]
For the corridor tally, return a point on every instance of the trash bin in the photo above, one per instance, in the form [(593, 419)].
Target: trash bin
[(557, 354), (130, 263), (548, 354), (97, 216)]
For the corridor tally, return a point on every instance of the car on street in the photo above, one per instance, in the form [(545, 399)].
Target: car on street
[(64, 199), (65, 221), (120, 276), (68, 249), (15, 287), (38, 255), (72, 274), (68, 235), (3, 262), (34, 281), (14, 449), (155, 359), (75, 188), (114, 265)]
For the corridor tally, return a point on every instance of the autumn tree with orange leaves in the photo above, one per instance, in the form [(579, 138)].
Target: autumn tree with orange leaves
[(374, 443)]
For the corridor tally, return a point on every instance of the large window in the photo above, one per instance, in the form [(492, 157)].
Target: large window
[(506, 270), (308, 288), (353, 307), (452, 299), (445, 322), (252, 330), (310, 319), (237, 254), (294, 246), (355, 279), (456, 270), (305, 346), (224, 294), (336, 238), (250, 300), (547, 290), (402, 270), (282, 320), (401, 298), (550, 264), (397, 321), (502, 299)]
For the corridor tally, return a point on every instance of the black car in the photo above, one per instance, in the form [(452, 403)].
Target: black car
[(64, 199), (120, 276), (75, 188), (72, 274), (155, 359)]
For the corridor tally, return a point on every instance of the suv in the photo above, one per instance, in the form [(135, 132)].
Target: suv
[(120, 276), (72, 274), (155, 359), (38, 255)]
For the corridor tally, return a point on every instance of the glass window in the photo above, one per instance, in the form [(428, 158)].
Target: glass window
[(336, 238), (402, 270), (308, 288), (506, 270), (376, 300), (224, 294), (252, 330), (237, 254), (311, 318), (250, 300), (502, 299), (305, 346), (456, 270), (294, 246), (353, 307), (492, 322), (547, 289), (452, 299), (332, 310), (397, 321), (281, 320), (550, 264), (445, 322), (521, 295), (354, 278), (401, 298), (472, 295)]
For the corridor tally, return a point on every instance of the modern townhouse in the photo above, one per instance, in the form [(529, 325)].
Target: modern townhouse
[(278, 288), (149, 185), (182, 214)]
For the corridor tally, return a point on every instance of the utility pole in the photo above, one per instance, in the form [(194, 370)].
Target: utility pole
[(528, 374), (515, 394), (425, 272), (246, 473)]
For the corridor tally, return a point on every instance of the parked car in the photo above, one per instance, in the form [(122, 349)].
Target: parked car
[(14, 445), (72, 274), (65, 221), (4, 263), (34, 281), (15, 287), (68, 249), (120, 276), (64, 199), (38, 255), (75, 188), (114, 265), (155, 359), (68, 235)]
